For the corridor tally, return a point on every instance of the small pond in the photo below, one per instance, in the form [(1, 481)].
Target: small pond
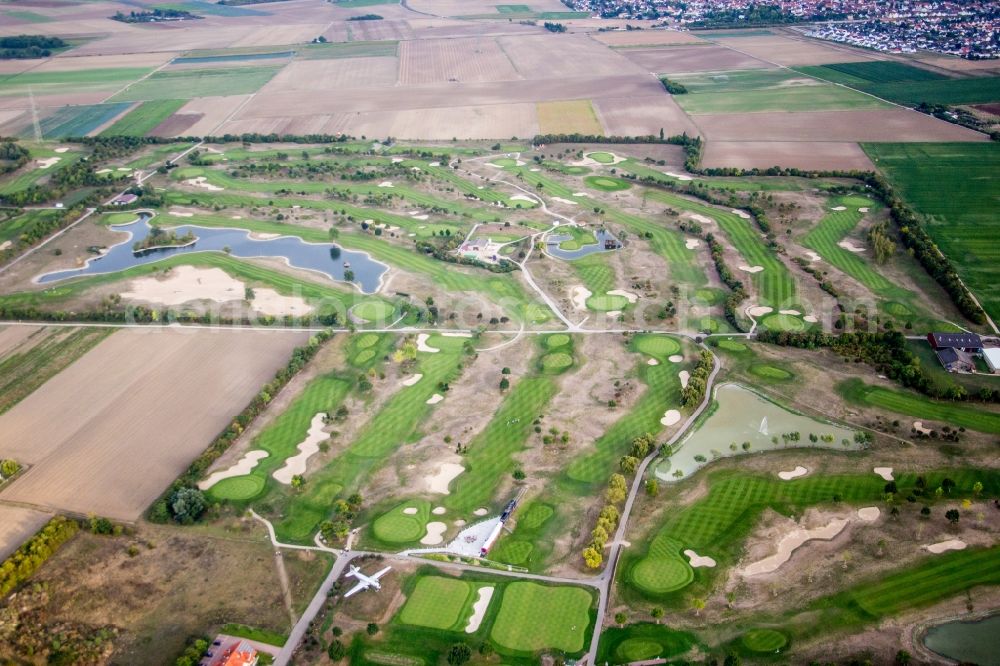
[(744, 416), (602, 237), (975, 642), (295, 251)]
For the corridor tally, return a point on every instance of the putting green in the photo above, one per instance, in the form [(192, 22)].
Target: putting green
[(557, 340), (504, 162), (657, 346), (896, 309), (781, 322), (659, 575), (372, 311), (556, 361), (513, 552), (575, 170), (607, 183), (534, 516), (602, 158), (438, 602), (536, 617), (237, 488), (732, 345), (607, 303), (364, 356), (707, 296), (638, 649), (770, 372), (365, 341), (396, 526), (764, 641), (536, 313)]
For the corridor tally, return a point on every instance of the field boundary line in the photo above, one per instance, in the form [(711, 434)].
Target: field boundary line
[(131, 83)]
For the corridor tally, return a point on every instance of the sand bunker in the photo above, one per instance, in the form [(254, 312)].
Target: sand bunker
[(884, 472), (435, 399), (839, 208), (202, 182), (652, 361), (309, 446), (813, 256), (385, 183), (810, 318), (410, 511), (863, 210), (439, 511), (482, 511), (850, 247), (100, 172), (479, 609), (869, 514), (751, 269), (397, 160), (675, 358), (177, 213), (794, 474), (423, 346), (184, 284), (788, 543), (62, 149), (795, 313), (697, 560), (459, 523), (919, 427), (412, 379), (579, 296), (678, 176), (580, 194), (759, 311), (47, 162), (6, 244), (670, 417), (692, 243), (439, 481), (521, 197), (435, 533), (243, 466), (564, 201), (745, 215), (944, 546), (632, 298), (433, 164), (701, 218), (684, 376), (456, 334), (268, 301)]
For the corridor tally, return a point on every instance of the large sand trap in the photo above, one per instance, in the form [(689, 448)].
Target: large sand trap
[(751, 269), (178, 213), (850, 247), (675, 358), (410, 511), (789, 542), (919, 427), (759, 311), (61, 149), (184, 284), (794, 474), (699, 560), (435, 533), (944, 546), (268, 301), (869, 514), (670, 417), (580, 194), (202, 182), (884, 472), (435, 399), (479, 609), (701, 218), (678, 176), (307, 448), (692, 243), (632, 298), (412, 379), (6, 244), (745, 215), (423, 346), (439, 481), (565, 201), (385, 183), (863, 210), (243, 466), (813, 256), (684, 376), (839, 208), (47, 162), (810, 318), (652, 361), (439, 511), (482, 511), (794, 313), (263, 235), (579, 295)]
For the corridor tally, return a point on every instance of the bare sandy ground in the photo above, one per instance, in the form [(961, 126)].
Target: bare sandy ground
[(789, 542), (109, 433), (17, 524)]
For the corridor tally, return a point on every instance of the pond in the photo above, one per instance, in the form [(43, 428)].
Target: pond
[(745, 422), (325, 258), (971, 642), (602, 238)]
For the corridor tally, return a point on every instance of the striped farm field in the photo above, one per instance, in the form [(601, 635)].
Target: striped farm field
[(775, 284), (535, 617), (919, 407), (191, 83), (78, 120), (144, 118)]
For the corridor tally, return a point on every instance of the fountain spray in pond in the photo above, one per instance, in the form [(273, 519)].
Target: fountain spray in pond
[(763, 426)]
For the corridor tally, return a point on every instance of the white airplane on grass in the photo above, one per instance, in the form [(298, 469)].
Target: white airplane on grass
[(365, 582)]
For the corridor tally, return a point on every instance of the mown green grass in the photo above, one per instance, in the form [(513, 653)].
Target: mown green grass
[(784, 322), (396, 527), (668, 243), (535, 617), (607, 302), (22, 372), (919, 407), (721, 184), (190, 83), (954, 185), (578, 237), (606, 183), (639, 642), (530, 522), (144, 118), (602, 158), (440, 603), (763, 641)]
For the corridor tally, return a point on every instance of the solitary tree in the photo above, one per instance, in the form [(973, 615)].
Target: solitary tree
[(621, 619), (698, 605), (372, 629), (657, 614), (952, 515), (458, 654), (592, 558)]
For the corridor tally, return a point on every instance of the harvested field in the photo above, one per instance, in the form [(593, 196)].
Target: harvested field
[(465, 7), (789, 52), (644, 115), (110, 432), (961, 64), (646, 38), (72, 63), (280, 34), (453, 60), (679, 59), (836, 126), (820, 155), (199, 117), (374, 31), (335, 74), (564, 56), (191, 83), (17, 524), (568, 117)]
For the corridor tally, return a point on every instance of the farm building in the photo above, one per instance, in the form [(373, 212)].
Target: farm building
[(125, 200), (967, 342), (992, 357), (954, 360)]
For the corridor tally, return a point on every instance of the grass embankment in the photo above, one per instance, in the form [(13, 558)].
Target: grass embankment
[(21, 372)]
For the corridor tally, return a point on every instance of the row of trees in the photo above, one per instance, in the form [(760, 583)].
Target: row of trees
[(738, 292), (34, 552), (694, 392)]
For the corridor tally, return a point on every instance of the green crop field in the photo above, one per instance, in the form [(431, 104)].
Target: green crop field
[(87, 80), (144, 118), (818, 97), (190, 83), (775, 284), (332, 50), (908, 85), (871, 71), (398, 527), (78, 120), (963, 223), (440, 603), (535, 617), (738, 81), (919, 407), (24, 371)]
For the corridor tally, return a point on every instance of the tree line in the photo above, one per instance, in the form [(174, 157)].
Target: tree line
[(27, 559), (22, 47)]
